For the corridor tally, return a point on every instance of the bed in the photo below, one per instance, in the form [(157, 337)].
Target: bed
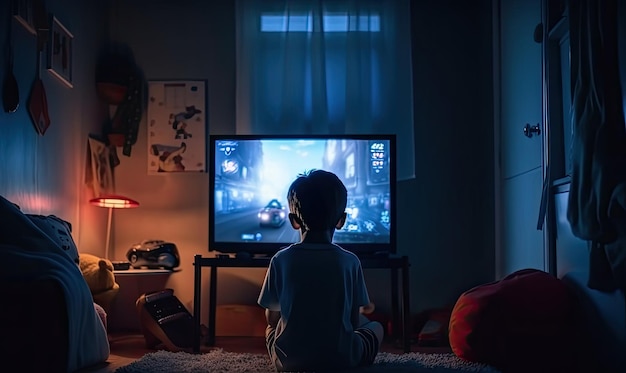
[(48, 319)]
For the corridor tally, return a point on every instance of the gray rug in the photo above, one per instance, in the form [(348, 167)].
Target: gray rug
[(218, 361)]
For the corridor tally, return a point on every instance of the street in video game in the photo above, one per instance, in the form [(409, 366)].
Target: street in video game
[(252, 178)]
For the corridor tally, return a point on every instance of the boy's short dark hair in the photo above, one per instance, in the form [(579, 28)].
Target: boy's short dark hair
[(318, 198)]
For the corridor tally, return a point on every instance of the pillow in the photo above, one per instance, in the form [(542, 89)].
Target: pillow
[(60, 231), (35, 232)]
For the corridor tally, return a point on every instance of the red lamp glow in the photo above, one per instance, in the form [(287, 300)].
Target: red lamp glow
[(111, 202), (114, 201)]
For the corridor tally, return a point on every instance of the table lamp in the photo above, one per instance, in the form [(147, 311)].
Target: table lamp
[(112, 201)]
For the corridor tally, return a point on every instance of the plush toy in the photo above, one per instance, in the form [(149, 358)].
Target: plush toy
[(98, 273)]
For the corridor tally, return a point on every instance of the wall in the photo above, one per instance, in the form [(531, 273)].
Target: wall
[(44, 174), (446, 223), (447, 213)]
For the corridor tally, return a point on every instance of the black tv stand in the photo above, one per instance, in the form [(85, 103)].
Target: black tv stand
[(400, 302), (243, 255), (374, 255)]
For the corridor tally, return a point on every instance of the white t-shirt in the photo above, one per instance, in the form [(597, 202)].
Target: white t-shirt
[(317, 288)]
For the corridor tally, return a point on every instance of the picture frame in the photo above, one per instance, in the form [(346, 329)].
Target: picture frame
[(23, 12), (99, 171), (60, 52)]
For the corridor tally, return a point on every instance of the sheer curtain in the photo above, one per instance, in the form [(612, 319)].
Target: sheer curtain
[(326, 67)]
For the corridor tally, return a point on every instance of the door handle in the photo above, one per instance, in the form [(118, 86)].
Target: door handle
[(530, 130)]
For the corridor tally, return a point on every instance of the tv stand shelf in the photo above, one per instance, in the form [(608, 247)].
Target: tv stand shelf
[(400, 303)]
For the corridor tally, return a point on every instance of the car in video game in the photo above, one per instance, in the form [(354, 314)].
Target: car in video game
[(272, 215)]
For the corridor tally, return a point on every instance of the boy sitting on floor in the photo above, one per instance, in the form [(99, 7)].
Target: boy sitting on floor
[(314, 289)]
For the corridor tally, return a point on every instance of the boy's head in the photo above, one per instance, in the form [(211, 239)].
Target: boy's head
[(317, 201)]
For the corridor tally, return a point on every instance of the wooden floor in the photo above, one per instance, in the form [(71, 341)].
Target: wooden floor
[(128, 347)]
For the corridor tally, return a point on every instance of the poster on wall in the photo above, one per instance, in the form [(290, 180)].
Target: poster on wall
[(176, 118)]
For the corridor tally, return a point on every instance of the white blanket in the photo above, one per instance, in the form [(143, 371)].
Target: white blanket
[(88, 342)]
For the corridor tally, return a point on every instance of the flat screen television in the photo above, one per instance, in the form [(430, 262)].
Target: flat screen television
[(249, 176)]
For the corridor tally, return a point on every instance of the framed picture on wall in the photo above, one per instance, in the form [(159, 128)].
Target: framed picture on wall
[(60, 51), (22, 11), (176, 118), (99, 172)]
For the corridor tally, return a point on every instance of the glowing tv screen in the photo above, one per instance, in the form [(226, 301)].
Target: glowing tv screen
[(249, 176)]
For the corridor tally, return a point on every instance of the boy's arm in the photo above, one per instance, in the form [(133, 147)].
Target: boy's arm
[(367, 309), (272, 317), (357, 319), (356, 322)]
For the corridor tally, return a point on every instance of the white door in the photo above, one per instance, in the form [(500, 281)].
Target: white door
[(518, 78)]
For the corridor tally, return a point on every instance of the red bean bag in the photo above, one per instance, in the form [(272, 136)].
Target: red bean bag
[(523, 322)]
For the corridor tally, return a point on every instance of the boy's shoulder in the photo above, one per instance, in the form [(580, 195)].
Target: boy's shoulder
[(319, 248), (310, 246)]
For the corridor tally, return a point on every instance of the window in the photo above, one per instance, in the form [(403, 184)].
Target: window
[(317, 67), (342, 22)]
